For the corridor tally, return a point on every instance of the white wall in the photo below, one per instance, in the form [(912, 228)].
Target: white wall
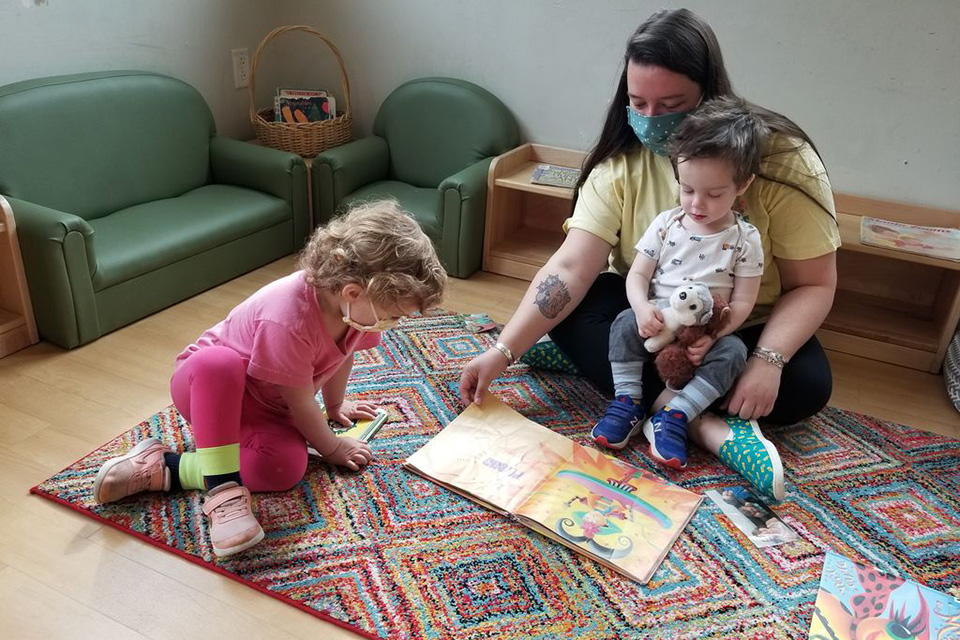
[(188, 39), (876, 83)]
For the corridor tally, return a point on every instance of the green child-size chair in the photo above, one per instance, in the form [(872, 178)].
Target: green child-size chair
[(433, 141)]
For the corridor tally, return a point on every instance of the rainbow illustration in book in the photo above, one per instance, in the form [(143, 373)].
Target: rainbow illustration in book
[(613, 510), (857, 602)]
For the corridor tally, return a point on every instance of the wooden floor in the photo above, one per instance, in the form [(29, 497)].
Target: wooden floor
[(63, 575)]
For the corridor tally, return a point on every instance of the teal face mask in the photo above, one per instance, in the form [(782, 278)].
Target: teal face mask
[(654, 131)]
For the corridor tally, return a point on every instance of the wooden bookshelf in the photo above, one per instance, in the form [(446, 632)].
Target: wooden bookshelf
[(17, 327), (890, 306), (523, 225)]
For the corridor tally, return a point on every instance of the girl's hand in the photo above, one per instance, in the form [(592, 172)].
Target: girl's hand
[(350, 453), (349, 410), (649, 320), (479, 373), (699, 349), (755, 391)]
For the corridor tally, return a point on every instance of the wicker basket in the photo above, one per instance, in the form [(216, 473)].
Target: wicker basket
[(308, 138)]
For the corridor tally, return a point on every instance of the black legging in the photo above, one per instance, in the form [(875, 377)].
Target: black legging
[(805, 386)]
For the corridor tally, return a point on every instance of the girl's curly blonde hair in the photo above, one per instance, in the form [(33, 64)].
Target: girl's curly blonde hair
[(381, 247)]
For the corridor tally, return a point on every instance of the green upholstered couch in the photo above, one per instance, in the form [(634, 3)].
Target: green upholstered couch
[(126, 200), (433, 141)]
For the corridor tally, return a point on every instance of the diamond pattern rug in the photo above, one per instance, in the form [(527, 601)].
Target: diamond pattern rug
[(386, 553)]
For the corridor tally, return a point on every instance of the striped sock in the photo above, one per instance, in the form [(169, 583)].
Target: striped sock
[(694, 399), (628, 380)]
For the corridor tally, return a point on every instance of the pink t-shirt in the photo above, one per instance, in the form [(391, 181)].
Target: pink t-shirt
[(281, 335)]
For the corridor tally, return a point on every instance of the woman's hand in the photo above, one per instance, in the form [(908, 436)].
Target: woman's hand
[(755, 391), (349, 410), (479, 373), (649, 320), (699, 349), (349, 453)]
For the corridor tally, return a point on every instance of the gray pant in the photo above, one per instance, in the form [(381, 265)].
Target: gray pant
[(715, 376)]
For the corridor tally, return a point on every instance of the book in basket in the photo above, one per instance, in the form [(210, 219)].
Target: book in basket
[(604, 508), (300, 106)]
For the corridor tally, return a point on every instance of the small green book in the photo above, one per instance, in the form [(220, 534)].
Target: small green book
[(555, 176), (362, 430)]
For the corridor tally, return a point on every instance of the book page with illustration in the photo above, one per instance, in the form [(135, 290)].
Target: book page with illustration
[(621, 515), (598, 505), (858, 601), (491, 454), (938, 242)]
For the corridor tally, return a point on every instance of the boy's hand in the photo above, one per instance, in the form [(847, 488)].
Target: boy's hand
[(649, 320), (346, 412), (699, 349), (350, 453)]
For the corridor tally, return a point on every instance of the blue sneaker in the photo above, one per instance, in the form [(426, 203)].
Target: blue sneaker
[(618, 424), (667, 432)]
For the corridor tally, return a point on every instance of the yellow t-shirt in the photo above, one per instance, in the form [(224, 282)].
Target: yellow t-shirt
[(790, 204)]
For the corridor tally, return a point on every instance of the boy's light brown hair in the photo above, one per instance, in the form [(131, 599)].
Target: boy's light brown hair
[(381, 247), (725, 128)]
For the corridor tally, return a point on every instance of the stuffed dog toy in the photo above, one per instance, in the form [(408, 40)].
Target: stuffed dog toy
[(672, 362), (688, 305)]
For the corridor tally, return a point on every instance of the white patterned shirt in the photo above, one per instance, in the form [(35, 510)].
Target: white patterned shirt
[(714, 260)]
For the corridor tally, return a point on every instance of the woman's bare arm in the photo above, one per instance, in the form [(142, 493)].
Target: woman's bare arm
[(556, 290)]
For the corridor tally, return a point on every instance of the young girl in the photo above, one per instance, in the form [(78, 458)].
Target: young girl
[(248, 385), (716, 151)]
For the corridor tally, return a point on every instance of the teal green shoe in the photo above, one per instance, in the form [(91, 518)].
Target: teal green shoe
[(546, 355), (754, 457)]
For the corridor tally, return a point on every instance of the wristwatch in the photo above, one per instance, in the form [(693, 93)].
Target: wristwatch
[(769, 355)]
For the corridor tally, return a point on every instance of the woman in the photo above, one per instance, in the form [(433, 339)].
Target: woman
[(672, 64)]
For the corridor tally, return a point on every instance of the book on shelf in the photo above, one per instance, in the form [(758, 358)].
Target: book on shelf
[(938, 242), (555, 176), (362, 430), (303, 105), (858, 601), (301, 93), (604, 508)]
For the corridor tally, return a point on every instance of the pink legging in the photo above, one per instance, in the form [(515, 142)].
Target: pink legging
[(209, 390)]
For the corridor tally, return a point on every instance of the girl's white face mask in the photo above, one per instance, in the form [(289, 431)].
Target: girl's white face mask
[(379, 325)]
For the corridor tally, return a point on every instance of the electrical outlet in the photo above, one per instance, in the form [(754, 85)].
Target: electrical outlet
[(241, 68)]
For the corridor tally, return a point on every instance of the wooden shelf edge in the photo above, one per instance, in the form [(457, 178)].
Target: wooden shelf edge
[(12, 341), (520, 181), (10, 321), (874, 350)]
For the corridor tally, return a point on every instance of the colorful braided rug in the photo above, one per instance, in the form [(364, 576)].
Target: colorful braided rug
[(386, 553)]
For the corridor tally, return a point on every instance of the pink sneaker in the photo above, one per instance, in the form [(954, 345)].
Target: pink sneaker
[(233, 527), (140, 469)]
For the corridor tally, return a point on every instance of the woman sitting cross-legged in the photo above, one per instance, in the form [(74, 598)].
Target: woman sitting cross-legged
[(672, 65)]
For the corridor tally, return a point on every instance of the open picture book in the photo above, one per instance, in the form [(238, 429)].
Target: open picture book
[(604, 508)]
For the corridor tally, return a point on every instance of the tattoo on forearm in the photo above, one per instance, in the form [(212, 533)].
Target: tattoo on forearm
[(552, 296)]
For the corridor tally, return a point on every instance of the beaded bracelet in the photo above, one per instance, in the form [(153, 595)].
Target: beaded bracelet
[(769, 355)]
